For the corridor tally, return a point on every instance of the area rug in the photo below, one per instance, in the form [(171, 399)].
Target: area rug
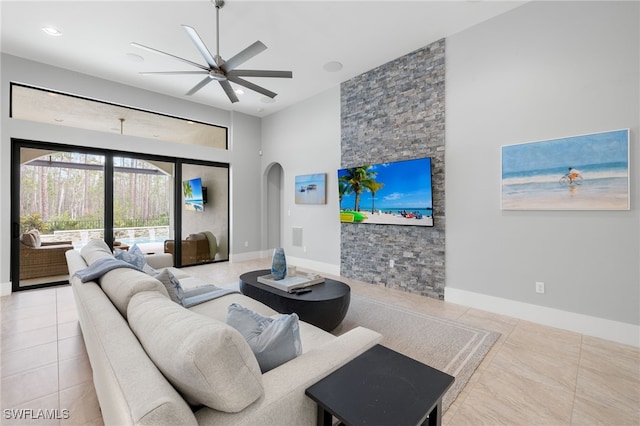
[(447, 345)]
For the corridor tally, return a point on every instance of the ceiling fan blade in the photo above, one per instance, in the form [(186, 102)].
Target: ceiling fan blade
[(199, 86), (261, 73), (173, 72), (151, 49), (202, 48), (252, 86), (226, 86), (244, 56)]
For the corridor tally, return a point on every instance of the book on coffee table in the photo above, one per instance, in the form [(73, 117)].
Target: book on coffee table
[(289, 284)]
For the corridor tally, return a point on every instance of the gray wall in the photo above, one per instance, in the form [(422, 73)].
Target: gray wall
[(391, 113), (305, 139), (542, 71)]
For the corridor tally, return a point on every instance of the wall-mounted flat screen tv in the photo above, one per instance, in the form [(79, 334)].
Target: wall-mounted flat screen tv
[(396, 193), (192, 191)]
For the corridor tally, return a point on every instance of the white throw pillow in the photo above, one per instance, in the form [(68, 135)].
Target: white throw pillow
[(273, 341)]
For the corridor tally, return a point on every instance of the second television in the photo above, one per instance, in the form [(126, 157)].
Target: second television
[(394, 193)]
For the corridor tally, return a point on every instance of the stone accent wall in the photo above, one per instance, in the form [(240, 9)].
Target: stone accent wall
[(391, 113)]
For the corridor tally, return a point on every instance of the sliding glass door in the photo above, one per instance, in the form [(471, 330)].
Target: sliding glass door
[(60, 207), (63, 196), (142, 203)]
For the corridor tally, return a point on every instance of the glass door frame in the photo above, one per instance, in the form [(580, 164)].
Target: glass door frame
[(17, 144)]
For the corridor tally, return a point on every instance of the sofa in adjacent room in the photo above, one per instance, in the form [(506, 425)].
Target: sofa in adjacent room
[(42, 259), (156, 362)]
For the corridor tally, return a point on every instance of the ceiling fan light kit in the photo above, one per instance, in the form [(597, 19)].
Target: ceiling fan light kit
[(217, 69)]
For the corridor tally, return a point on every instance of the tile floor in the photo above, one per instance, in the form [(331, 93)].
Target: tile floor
[(533, 374)]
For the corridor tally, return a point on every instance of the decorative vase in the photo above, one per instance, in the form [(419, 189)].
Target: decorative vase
[(278, 264)]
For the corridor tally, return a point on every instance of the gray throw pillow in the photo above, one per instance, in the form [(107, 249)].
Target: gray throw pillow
[(273, 341), (171, 283)]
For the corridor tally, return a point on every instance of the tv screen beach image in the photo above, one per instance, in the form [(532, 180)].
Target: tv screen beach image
[(192, 191), (395, 193), (589, 172)]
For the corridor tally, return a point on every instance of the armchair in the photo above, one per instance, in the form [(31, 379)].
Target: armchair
[(197, 248), (42, 259)]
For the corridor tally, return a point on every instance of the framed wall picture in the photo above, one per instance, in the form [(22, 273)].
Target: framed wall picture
[(588, 172), (311, 189)]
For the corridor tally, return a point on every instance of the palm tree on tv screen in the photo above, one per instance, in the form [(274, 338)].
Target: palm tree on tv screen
[(373, 187), (358, 178), (187, 189)]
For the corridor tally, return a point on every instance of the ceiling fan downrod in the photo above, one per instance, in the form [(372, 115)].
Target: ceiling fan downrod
[(218, 5)]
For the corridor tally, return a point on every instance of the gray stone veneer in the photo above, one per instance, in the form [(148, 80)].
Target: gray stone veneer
[(396, 112)]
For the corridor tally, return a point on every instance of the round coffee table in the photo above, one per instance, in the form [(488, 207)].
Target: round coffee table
[(325, 306)]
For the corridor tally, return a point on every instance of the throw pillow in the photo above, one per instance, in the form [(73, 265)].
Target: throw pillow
[(28, 240), (135, 256), (36, 237), (273, 341), (171, 283)]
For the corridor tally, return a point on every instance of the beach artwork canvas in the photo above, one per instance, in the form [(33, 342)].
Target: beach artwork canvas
[(589, 172), (395, 193), (311, 189), (192, 191)]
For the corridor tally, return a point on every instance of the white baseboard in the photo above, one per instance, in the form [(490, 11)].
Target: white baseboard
[(323, 267), (628, 334), (5, 289), (241, 257)]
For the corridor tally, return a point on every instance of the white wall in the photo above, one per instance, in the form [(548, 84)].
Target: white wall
[(543, 71), (244, 168), (305, 139)]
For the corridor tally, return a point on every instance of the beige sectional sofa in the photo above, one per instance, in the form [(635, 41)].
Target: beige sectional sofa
[(154, 362)]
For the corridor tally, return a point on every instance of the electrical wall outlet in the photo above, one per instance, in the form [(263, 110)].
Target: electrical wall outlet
[(539, 287), (392, 263)]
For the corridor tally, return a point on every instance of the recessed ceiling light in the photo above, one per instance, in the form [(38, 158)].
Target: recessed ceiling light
[(332, 66), (52, 31), (239, 91)]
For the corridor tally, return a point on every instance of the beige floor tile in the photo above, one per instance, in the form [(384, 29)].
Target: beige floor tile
[(74, 371), (499, 398), (71, 347), (39, 412), (27, 359), (68, 329), (39, 336), (82, 402), (20, 325), (28, 298), (589, 412), (28, 386), (537, 366)]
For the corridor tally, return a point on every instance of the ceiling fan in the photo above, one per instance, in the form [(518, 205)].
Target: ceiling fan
[(217, 69)]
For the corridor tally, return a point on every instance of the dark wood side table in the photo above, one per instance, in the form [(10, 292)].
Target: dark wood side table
[(381, 387), (325, 306)]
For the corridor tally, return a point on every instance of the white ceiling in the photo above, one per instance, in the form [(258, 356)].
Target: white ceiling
[(301, 36)]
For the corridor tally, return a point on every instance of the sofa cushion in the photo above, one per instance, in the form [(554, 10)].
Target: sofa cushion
[(273, 341), (208, 361), (120, 285), (136, 257), (94, 250)]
